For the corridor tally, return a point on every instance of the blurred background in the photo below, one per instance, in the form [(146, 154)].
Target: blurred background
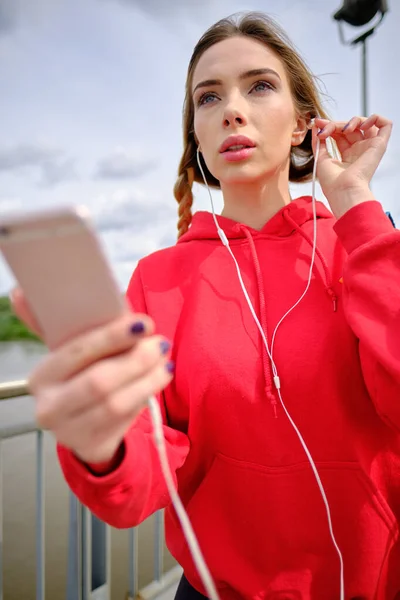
[(91, 101)]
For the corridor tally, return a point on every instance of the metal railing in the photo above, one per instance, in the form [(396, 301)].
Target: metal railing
[(89, 548)]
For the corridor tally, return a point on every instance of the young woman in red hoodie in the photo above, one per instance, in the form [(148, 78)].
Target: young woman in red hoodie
[(289, 468)]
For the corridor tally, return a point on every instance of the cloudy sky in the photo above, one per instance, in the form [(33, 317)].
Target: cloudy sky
[(91, 97)]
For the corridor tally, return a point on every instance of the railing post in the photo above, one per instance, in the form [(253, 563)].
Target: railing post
[(1, 521), (100, 560), (40, 518), (88, 555), (95, 553), (133, 563), (74, 567), (158, 545), (86, 552)]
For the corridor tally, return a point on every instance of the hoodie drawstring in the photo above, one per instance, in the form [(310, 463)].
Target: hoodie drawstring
[(267, 369), (328, 280)]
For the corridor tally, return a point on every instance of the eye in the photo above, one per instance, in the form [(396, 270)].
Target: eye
[(262, 86), (205, 98)]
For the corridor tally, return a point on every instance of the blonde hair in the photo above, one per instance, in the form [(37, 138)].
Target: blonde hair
[(304, 90)]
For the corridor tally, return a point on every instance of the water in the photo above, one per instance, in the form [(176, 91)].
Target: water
[(16, 360)]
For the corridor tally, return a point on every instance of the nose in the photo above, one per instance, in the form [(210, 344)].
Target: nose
[(233, 116)]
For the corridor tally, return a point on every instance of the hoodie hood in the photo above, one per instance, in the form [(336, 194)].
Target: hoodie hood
[(285, 222), (289, 220)]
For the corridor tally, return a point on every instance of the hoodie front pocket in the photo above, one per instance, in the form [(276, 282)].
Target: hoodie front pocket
[(264, 530)]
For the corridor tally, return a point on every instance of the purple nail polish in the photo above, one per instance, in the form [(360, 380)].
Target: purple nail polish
[(165, 347), (170, 366), (137, 328), (346, 126), (320, 131)]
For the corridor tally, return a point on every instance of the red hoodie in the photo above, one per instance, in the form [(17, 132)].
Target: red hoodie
[(241, 471)]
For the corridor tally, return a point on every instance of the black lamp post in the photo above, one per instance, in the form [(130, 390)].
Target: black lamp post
[(358, 13)]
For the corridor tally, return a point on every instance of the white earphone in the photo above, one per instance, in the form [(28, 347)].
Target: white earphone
[(195, 550), (270, 350)]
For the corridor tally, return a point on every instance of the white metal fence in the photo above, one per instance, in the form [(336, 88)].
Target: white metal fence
[(89, 552)]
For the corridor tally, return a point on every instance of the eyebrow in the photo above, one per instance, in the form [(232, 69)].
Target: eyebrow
[(245, 75)]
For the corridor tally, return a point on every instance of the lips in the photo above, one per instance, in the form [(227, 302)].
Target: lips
[(235, 143)]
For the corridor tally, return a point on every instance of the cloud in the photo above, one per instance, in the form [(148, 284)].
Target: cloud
[(25, 155), (122, 164), (53, 166), (7, 16), (16, 12), (55, 172), (131, 210), (157, 5), (160, 7), (132, 224), (170, 10)]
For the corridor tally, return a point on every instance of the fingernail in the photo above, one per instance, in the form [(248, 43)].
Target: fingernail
[(138, 327), (346, 126), (320, 131), (165, 347), (170, 366)]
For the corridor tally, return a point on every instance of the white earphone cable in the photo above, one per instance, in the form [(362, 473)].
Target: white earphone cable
[(186, 525), (277, 381), (155, 412)]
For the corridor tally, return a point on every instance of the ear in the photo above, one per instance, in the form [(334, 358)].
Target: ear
[(300, 131)]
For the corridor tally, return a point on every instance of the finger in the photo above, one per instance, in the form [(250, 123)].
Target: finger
[(77, 354), (376, 120), (383, 125), (372, 132), (131, 399), (353, 124), (320, 123), (97, 383), (323, 153), (22, 310), (330, 128), (346, 136), (364, 128), (352, 132), (349, 138), (336, 128), (122, 406)]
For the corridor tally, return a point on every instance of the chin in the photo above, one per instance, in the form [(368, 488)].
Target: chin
[(241, 174)]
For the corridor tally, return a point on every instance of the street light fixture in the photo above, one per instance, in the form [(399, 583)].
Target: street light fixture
[(358, 13)]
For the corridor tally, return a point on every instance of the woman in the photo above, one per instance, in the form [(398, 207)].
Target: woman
[(241, 469)]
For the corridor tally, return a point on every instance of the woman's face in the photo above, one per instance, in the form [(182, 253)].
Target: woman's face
[(240, 88)]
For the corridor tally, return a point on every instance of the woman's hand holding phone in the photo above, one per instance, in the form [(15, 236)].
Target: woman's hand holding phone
[(89, 390)]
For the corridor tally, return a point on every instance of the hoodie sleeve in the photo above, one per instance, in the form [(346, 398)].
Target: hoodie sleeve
[(136, 488), (371, 294)]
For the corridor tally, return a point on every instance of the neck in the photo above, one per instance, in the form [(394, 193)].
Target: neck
[(255, 203)]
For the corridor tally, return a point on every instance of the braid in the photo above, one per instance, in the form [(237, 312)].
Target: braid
[(184, 197)]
